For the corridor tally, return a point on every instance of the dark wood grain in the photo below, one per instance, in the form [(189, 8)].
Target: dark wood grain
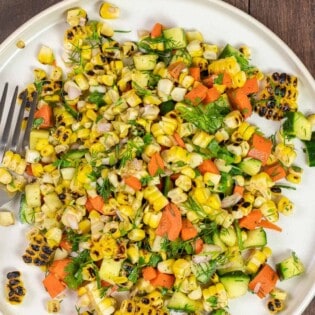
[(291, 20)]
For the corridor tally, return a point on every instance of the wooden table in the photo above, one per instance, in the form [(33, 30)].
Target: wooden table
[(291, 20)]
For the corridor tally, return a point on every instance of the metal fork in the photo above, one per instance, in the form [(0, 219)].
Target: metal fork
[(14, 143)]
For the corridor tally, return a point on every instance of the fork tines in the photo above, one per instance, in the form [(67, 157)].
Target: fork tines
[(10, 125)]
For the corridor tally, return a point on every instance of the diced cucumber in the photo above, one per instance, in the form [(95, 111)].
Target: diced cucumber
[(297, 125), (250, 166), (203, 271), (110, 269), (310, 150), (175, 38), (235, 283), (26, 213), (181, 302), (217, 241), (255, 238), (36, 135), (228, 236), (75, 154), (6, 218), (145, 62), (290, 267), (166, 107), (32, 195)]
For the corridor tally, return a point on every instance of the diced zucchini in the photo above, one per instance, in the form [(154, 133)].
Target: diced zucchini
[(310, 150), (228, 236), (67, 173), (32, 195), (166, 107), (181, 302), (290, 267), (250, 166), (6, 218), (145, 62), (26, 213), (217, 241), (175, 38), (201, 271), (297, 125), (235, 283), (36, 135), (255, 238), (110, 269)]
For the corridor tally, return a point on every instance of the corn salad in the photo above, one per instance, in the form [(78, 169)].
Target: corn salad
[(142, 168)]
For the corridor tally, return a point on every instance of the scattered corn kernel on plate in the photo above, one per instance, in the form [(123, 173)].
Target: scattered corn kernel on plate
[(161, 176)]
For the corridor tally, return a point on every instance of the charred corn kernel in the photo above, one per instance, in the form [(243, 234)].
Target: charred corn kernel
[(53, 306), (239, 79), (285, 206), (83, 133), (246, 130), (186, 80), (194, 35), (128, 306), (109, 11), (270, 211), (83, 173), (194, 48), (293, 178), (255, 261), (188, 171), (47, 150), (177, 195), (85, 226), (176, 154), (201, 194), (215, 278), (183, 182), (168, 125), (152, 219), (39, 74), (200, 62), (49, 168), (81, 81), (7, 158), (210, 51), (76, 16), (215, 293), (228, 64), (211, 179), (136, 235), (202, 139), (278, 294), (221, 135), (233, 119), (155, 198), (37, 169), (275, 305), (46, 55), (245, 51), (5, 176), (133, 253), (53, 236), (165, 141), (181, 268), (285, 153)]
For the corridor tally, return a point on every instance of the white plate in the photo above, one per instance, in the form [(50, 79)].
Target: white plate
[(220, 23)]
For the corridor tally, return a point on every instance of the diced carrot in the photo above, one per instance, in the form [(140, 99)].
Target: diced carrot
[(105, 284), (241, 102), (269, 225), (251, 221), (175, 68), (170, 223), (198, 245), (188, 230), (238, 190), (133, 182), (149, 273), (261, 148), (209, 81), (95, 203), (175, 176), (195, 73), (197, 94), (156, 30), (264, 282), (208, 166), (65, 244), (250, 86), (155, 164), (58, 268), (88, 205), (163, 280), (53, 285), (276, 171), (212, 95), (46, 114), (226, 80), (179, 140), (29, 170)]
